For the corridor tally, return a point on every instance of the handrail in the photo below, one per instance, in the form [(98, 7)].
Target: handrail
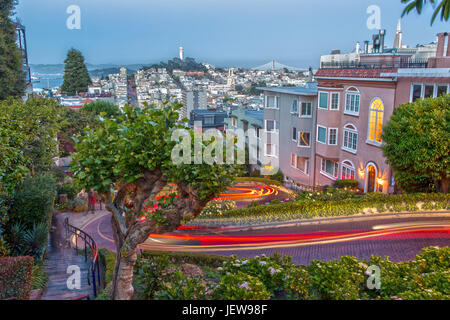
[(94, 269), (83, 297)]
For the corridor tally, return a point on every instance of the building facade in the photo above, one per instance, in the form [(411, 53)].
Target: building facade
[(290, 112), (355, 103)]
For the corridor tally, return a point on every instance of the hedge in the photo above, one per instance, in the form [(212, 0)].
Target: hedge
[(16, 277), (259, 180), (307, 209), (187, 257), (33, 201)]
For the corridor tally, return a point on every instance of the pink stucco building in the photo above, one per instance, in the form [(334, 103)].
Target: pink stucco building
[(355, 102)]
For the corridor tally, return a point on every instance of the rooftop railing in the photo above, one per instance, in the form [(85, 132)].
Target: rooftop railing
[(410, 63)]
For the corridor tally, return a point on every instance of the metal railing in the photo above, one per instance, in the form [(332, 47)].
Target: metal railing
[(78, 236), (408, 63)]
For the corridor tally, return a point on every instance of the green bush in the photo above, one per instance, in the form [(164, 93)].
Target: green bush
[(176, 286), (33, 201), (16, 277), (342, 279), (70, 189), (350, 183), (108, 261), (279, 176), (217, 207), (40, 277), (79, 205), (240, 286)]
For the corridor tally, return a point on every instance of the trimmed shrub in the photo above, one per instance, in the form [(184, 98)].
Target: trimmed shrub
[(258, 180), (350, 183), (16, 277), (199, 259), (312, 208)]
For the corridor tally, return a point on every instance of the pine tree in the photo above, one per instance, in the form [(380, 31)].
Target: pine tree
[(12, 75), (76, 75)]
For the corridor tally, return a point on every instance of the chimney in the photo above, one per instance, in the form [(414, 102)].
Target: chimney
[(358, 47), (366, 46), (441, 44), (382, 35), (310, 75), (448, 45)]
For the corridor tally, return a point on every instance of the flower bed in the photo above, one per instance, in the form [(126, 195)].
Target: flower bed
[(312, 208), (164, 276)]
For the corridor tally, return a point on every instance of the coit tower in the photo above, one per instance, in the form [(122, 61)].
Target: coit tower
[(181, 53)]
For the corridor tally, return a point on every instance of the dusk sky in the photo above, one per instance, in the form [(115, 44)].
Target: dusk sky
[(222, 32)]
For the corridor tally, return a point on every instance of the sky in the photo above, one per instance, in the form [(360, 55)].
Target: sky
[(242, 33)]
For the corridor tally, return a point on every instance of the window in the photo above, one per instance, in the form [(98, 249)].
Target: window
[(375, 121), (323, 100), (294, 134), (416, 92), (335, 101), (322, 134), (294, 108), (441, 90), (332, 136), (304, 139), (350, 138), (271, 126), (234, 122), (271, 149), (348, 170), (330, 168), (352, 101), (209, 120), (303, 165), (293, 160), (272, 102), (429, 90), (306, 109)]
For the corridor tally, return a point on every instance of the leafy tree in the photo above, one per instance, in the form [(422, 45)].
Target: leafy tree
[(37, 119), (12, 76), (133, 157), (76, 75), (418, 141), (443, 8), (72, 123), (98, 107)]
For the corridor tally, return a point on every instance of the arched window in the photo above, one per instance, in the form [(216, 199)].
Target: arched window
[(348, 170), (375, 121), (352, 99), (350, 138)]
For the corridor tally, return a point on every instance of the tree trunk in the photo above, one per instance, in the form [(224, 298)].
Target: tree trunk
[(123, 277), (444, 185)]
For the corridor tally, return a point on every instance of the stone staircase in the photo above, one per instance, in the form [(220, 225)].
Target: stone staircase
[(59, 257)]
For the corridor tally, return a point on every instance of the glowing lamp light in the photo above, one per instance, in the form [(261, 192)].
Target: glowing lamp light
[(380, 181), (361, 172)]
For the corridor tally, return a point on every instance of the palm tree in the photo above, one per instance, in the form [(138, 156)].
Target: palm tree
[(443, 8)]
